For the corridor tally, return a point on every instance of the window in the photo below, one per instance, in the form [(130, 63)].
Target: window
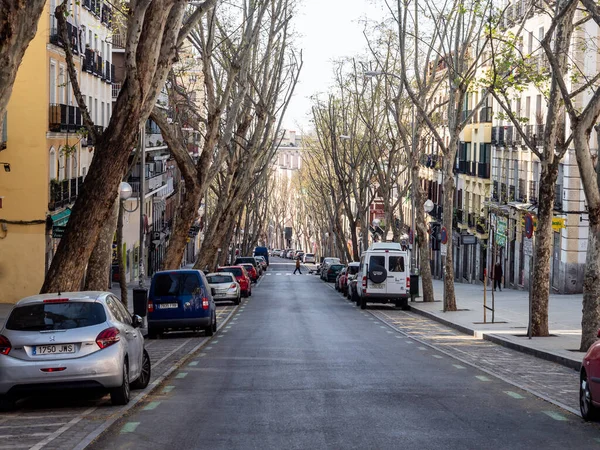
[(124, 313), (530, 42), (52, 82), (114, 309), (68, 174), (89, 42), (52, 164), (61, 165), (172, 284), (377, 261), (83, 36), (527, 107), (96, 110), (102, 116), (219, 279), (396, 264), (541, 34), (61, 84), (56, 316)]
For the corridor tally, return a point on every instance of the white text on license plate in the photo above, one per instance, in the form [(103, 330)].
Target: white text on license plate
[(53, 349), (168, 305)]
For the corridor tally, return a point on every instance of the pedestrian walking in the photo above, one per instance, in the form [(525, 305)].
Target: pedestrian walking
[(498, 276), (297, 266)]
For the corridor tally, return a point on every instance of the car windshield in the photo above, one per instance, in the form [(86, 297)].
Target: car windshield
[(248, 266), (217, 279), (176, 283), (337, 267), (56, 316), (234, 270)]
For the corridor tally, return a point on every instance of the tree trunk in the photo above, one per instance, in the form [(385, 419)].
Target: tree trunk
[(18, 25), (422, 237), (355, 255), (448, 195), (120, 256), (540, 288), (100, 262)]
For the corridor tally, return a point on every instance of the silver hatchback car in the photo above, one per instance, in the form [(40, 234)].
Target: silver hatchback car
[(71, 340), (224, 286)]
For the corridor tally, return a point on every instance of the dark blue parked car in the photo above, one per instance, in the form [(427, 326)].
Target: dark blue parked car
[(262, 251), (180, 300)]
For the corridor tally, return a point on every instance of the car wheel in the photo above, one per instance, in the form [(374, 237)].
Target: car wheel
[(208, 331), (238, 300), (588, 410), (144, 378), (120, 395), (363, 303), (215, 325), (7, 403)]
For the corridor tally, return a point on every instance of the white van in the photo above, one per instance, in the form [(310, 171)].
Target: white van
[(384, 275)]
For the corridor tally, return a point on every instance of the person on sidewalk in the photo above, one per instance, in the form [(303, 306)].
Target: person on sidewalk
[(498, 276), (297, 266)]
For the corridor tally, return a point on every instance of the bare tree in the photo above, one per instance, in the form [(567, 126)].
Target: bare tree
[(18, 25)]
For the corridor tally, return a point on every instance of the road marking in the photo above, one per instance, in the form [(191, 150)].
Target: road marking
[(556, 416), (62, 429), (169, 354), (514, 394), (215, 342), (150, 406), (202, 354), (4, 427), (458, 366), (482, 378), (382, 326), (193, 363), (168, 389), (129, 427), (388, 331), (181, 375), (437, 356), (408, 342), (422, 348), (278, 273), (269, 274), (12, 436), (224, 331)]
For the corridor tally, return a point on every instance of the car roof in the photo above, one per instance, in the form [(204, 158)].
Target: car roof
[(219, 273), (162, 272), (84, 296), (354, 264), (385, 246)]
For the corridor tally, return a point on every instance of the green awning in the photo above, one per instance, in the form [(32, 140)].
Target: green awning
[(61, 218)]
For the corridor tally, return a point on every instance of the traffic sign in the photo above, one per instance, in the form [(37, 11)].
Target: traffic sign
[(444, 235), (528, 225)]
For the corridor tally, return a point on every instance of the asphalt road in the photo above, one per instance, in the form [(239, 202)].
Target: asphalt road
[(299, 367)]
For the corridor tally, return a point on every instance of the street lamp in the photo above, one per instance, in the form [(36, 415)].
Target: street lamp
[(125, 191)]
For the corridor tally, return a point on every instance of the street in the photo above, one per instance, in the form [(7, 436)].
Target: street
[(301, 367)]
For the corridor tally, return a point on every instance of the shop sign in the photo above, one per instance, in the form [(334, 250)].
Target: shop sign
[(501, 232)]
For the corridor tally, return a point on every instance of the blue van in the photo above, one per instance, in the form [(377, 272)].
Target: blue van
[(262, 251), (180, 300)]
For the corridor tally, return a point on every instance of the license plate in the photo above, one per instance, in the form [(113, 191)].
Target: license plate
[(53, 349), (168, 306), (376, 286), (219, 295)]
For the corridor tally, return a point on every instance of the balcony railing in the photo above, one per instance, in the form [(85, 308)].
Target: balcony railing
[(503, 193), (495, 192), (483, 170), (459, 216), (485, 114), (522, 194), (89, 61), (462, 166), (152, 183), (481, 226), (106, 15), (533, 192), (498, 136), (64, 118), (471, 220), (99, 67), (72, 32), (107, 72), (558, 197), (4, 135), (509, 135), (64, 192), (116, 88), (118, 40), (512, 195), (535, 133)]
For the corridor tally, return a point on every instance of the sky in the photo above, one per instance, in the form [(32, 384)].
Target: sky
[(328, 30)]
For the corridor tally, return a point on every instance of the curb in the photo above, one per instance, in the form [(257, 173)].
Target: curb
[(120, 413), (498, 339)]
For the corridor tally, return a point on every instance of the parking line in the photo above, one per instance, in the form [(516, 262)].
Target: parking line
[(482, 378), (168, 389), (458, 366), (37, 425), (437, 356), (129, 427), (514, 394), (422, 348), (556, 416), (181, 375), (193, 363), (13, 436), (150, 406)]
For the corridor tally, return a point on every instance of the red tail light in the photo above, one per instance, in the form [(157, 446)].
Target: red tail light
[(108, 337), (364, 282), (53, 369), (150, 307), (56, 300), (204, 302), (5, 345), (233, 286), (407, 282)]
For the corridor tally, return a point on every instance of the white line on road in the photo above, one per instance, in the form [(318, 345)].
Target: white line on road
[(10, 436), (170, 353), (62, 429), (437, 356)]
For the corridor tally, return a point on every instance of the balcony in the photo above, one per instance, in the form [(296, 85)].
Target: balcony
[(495, 197), (106, 15), (116, 88), (4, 135), (503, 193), (485, 114), (558, 197), (471, 220), (509, 138), (107, 72), (522, 194), (483, 170), (152, 183), (498, 136), (64, 192), (99, 67), (72, 32), (64, 118), (462, 166), (535, 133), (89, 61), (87, 4), (481, 226), (118, 40), (512, 193), (533, 190), (459, 216)]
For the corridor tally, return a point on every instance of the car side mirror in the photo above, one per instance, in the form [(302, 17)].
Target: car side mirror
[(136, 321), (212, 291)]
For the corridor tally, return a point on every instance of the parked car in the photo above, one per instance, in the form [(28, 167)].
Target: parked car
[(340, 279), (332, 271), (327, 261), (225, 287), (382, 276), (275, 252), (180, 300), (251, 271), (246, 260), (309, 258), (262, 251), (72, 340), (290, 254), (351, 274), (241, 276), (262, 262), (589, 388), (299, 255)]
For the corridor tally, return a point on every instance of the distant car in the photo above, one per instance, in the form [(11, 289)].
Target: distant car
[(251, 271), (181, 300), (245, 260), (263, 263), (328, 261), (339, 280), (72, 340), (300, 256), (589, 388), (262, 251), (290, 254), (241, 276), (225, 287), (332, 272), (351, 275), (309, 258)]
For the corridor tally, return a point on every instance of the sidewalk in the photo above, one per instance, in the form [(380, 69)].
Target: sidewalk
[(511, 321)]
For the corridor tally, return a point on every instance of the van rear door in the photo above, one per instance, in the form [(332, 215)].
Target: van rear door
[(377, 288), (396, 280)]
